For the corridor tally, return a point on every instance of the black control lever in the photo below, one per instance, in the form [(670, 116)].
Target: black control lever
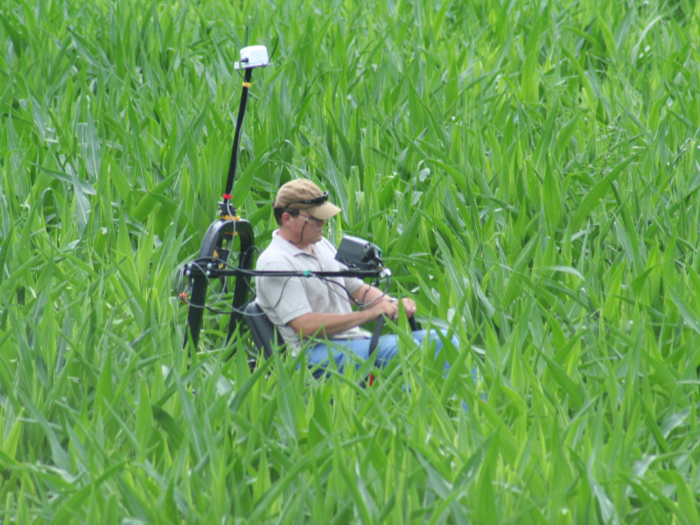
[(380, 326)]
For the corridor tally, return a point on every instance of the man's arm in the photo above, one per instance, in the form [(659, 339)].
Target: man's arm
[(331, 324)]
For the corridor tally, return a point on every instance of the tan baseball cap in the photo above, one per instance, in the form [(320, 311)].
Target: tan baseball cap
[(302, 194)]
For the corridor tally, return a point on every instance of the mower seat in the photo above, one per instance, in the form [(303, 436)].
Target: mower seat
[(265, 334)]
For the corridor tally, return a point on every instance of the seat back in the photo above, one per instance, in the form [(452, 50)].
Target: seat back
[(265, 334)]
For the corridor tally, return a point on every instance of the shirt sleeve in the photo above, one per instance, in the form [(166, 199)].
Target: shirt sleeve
[(283, 299), (352, 284)]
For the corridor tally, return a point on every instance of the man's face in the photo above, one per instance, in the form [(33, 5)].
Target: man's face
[(306, 229)]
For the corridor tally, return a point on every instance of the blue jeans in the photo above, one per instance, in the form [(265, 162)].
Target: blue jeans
[(386, 350)]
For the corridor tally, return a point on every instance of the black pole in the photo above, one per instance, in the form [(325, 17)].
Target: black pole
[(237, 136), (375, 335)]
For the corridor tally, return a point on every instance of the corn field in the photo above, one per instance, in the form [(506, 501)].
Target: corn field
[(531, 171)]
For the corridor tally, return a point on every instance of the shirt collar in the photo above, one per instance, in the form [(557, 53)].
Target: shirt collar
[(287, 246)]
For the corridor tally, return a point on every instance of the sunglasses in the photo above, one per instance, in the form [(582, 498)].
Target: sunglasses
[(316, 200), (311, 218)]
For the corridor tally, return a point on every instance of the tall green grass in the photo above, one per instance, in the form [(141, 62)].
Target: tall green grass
[(531, 171)]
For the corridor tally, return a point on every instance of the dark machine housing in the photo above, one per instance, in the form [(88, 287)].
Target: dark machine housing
[(358, 254)]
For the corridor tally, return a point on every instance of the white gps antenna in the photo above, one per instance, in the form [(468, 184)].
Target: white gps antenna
[(252, 56)]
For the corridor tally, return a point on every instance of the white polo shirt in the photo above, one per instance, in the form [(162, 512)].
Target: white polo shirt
[(284, 299)]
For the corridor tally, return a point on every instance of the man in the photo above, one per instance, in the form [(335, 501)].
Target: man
[(309, 311)]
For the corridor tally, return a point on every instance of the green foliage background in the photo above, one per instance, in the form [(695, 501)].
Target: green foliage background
[(531, 169)]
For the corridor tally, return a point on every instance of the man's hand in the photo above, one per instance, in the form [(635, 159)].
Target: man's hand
[(409, 306), (370, 294), (390, 308)]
